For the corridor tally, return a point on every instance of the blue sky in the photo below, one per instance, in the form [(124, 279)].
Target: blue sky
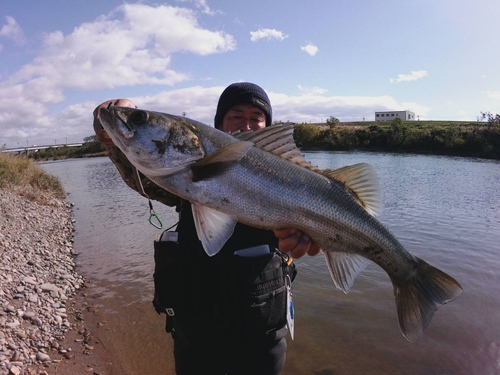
[(316, 59)]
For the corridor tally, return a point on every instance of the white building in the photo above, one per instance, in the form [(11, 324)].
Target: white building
[(391, 115)]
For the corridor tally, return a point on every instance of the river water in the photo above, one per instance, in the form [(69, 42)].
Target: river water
[(445, 210)]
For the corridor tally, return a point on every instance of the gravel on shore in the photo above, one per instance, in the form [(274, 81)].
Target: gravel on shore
[(38, 283)]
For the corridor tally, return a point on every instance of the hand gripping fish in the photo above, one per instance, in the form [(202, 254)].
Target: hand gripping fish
[(261, 179)]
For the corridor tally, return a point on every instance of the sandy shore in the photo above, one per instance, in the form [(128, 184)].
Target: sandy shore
[(47, 325)]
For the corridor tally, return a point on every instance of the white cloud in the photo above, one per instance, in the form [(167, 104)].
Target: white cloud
[(198, 102), (312, 90), (203, 6), (462, 116), (133, 49), (420, 110), (268, 34), (413, 76), (315, 107), (493, 94), (130, 46), (312, 105), (237, 21), (311, 49), (13, 31)]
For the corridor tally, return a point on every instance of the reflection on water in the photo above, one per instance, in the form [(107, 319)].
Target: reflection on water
[(444, 210), (113, 236)]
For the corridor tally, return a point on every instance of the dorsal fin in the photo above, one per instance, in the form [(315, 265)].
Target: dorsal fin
[(278, 140), (362, 183)]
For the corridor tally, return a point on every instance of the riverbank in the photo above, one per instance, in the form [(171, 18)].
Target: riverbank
[(458, 139), (43, 307)]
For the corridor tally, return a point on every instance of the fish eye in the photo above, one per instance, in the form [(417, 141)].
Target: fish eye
[(138, 117)]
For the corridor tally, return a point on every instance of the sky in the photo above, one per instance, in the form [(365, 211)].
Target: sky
[(315, 59)]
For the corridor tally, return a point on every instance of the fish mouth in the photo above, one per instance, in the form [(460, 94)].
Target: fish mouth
[(102, 134), (110, 116)]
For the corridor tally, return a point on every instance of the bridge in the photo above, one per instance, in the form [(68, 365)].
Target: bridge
[(35, 148)]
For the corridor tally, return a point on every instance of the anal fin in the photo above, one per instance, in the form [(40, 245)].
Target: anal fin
[(344, 268)]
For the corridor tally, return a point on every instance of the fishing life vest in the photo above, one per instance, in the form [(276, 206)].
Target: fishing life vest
[(246, 294)]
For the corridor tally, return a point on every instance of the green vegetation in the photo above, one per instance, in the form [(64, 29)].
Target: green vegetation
[(478, 139), (90, 147), (21, 175)]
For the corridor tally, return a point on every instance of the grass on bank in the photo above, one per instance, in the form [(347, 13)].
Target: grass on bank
[(21, 175)]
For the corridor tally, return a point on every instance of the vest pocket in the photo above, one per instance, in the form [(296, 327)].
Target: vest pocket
[(261, 291)]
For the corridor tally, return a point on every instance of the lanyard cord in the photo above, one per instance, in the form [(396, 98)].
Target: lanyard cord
[(154, 220)]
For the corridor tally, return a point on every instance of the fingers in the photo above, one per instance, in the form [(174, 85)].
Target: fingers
[(314, 249), (114, 102), (296, 243)]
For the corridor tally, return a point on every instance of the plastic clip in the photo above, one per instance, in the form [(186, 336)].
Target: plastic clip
[(154, 220)]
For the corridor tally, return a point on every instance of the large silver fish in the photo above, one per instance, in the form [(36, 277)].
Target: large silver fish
[(261, 179)]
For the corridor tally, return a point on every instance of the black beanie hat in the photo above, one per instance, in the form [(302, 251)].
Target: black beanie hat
[(239, 93)]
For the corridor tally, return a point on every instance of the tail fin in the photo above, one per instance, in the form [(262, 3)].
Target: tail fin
[(418, 300)]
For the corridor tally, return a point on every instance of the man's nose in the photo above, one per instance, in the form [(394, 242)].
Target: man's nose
[(246, 125)]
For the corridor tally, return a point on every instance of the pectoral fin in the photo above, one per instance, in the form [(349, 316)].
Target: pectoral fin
[(213, 227), (215, 163)]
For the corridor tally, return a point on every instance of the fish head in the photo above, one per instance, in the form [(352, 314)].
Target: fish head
[(156, 143)]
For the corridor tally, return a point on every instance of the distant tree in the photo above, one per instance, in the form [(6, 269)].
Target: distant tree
[(396, 123), (399, 130), (490, 118), (332, 121), (90, 138)]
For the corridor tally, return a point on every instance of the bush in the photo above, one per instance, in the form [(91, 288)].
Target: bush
[(306, 134), (20, 174), (332, 121)]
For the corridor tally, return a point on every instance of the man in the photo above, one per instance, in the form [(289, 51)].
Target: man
[(230, 310)]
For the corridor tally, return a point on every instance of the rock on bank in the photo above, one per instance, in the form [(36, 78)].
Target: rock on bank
[(37, 276)]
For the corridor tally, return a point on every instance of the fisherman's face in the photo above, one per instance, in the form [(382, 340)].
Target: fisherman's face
[(243, 117)]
